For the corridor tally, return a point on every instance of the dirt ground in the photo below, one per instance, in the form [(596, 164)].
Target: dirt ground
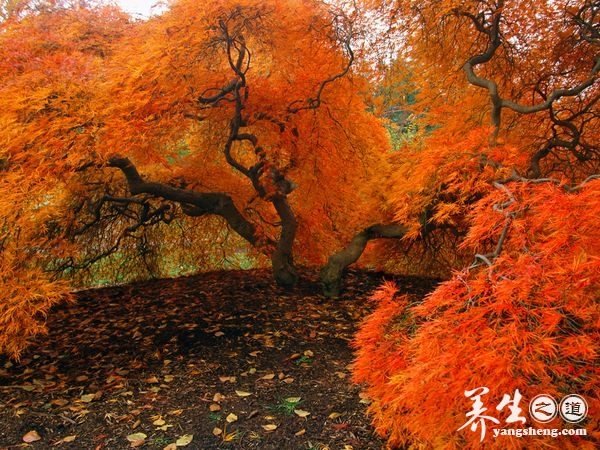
[(223, 360)]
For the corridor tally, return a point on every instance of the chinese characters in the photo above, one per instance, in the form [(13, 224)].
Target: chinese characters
[(542, 408)]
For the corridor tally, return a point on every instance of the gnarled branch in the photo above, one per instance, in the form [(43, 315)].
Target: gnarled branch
[(217, 203), (494, 36)]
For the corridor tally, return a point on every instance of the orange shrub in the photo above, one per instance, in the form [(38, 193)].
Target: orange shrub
[(526, 320)]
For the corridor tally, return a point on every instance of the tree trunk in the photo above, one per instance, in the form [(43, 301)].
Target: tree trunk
[(282, 257), (331, 274)]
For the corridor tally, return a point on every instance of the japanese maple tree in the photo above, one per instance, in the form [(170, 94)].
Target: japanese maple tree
[(251, 106), (131, 149), (48, 59), (505, 157)]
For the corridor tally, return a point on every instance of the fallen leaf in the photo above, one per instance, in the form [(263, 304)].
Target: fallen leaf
[(288, 380), (135, 444), (309, 353), (152, 379), (300, 433), (293, 399), (136, 437), (255, 353), (214, 407), (87, 398), (218, 397), (159, 422), (364, 399), (301, 413), (268, 376), (171, 446), (269, 427), (184, 440), (230, 436), (216, 431), (31, 436), (334, 415), (243, 393), (59, 402), (219, 334), (168, 378), (68, 439), (231, 418)]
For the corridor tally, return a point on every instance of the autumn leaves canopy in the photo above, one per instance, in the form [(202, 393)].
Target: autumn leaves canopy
[(208, 136), (248, 133), (508, 154)]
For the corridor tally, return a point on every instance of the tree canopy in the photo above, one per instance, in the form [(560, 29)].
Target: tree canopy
[(139, 146), (506, 157)]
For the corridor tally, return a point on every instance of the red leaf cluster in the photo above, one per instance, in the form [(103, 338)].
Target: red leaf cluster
[(528, 320)]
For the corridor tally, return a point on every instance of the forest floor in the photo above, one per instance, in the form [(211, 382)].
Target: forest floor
[(222, 360)]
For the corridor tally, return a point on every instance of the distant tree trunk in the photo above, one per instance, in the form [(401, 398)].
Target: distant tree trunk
[(331, 274)]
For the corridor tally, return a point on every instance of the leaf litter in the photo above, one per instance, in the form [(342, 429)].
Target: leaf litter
[(141, 366)]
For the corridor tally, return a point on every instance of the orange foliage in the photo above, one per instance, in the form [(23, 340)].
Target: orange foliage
[(454, 156), (46, 62), (79, 85), (529, 321), (490, 161), (332, 153)]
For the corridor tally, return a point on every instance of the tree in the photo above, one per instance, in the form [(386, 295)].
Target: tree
[(521, 80), (507, 159), (525, 321), (268, 103), (122, 140), (48, 57)]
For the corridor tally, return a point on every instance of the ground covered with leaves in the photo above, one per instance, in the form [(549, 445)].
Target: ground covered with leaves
[(218, 360)]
